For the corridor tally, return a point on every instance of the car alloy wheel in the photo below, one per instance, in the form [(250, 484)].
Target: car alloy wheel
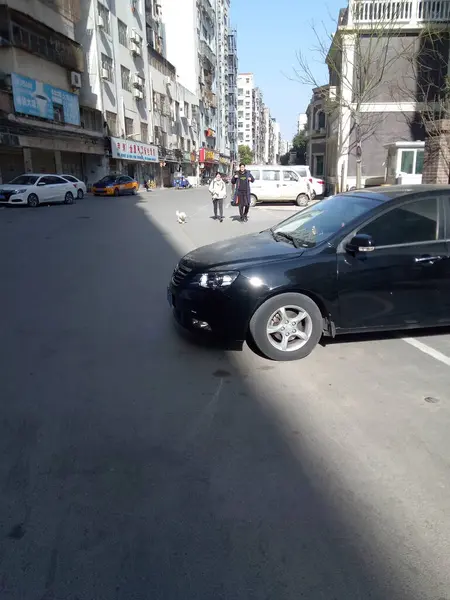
[(68, 198), (302, 200), (33, 200), (253, 200), (287, 327), (80, 194)]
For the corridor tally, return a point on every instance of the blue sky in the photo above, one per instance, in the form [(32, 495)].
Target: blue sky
[(269, 35)]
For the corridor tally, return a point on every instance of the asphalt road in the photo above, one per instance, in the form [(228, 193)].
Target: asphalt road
[(137, 465)]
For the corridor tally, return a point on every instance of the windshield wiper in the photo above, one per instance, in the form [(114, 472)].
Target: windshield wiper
[(284, 236)]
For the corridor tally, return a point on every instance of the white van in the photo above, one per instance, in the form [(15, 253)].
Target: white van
[(274, 183)]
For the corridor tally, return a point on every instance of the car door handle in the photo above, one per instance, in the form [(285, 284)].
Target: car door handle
[(427, 259)]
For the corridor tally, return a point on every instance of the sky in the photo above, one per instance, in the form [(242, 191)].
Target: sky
[(270, 34)]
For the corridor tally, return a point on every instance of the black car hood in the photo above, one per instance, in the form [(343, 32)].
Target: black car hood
[(255, 247)]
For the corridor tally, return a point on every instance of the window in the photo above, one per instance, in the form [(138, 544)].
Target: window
[(408, 224), (289, 176), (240, 91), (144, 132), (241, 124), (128, 127), (71, 179), (241, 114), (247, 92), (411, 162), (271, 175), (123, 33), (51, 180), (125, 76), (103, 13), (318, 165), (247, 116), (247, 104), (58, 113), (247, 126), (111, 122), (186, 110), (256, 175), (247, 80), (107, 65), (241, 137), (240, 103)]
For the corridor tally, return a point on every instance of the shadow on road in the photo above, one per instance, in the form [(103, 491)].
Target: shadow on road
[(135, 465)]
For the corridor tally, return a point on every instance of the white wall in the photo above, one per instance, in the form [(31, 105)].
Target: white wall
[(245, 82), (180, 24)]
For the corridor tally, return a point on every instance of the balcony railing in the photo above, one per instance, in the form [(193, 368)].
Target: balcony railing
[(398, 11), (206, 51)]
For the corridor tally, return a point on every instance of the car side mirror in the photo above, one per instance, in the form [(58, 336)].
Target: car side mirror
[(42, 183), (360, 243)]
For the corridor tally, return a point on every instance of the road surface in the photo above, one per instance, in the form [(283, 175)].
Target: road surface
[(137, 465)]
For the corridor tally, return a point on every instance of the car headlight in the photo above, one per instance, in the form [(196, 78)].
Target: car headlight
[(19, 191), (217, 280)]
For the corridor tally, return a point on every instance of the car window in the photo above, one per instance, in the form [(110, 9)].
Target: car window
[(318, 223), (408, 224), (127, 179), (122, 180), (256, 175), (290, 176), (271, 175), (25, 180), (107, 179), (70, 178), (52, 180), (302, 172)]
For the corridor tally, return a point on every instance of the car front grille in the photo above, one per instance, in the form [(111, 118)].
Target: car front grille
[(180, 273), (6, 194)]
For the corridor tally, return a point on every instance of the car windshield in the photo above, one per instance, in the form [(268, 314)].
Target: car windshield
[(108, 179), (24, 180), (321, 221)]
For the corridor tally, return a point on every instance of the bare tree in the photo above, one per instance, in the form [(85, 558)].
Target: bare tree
[(426, 84), (361, 56)]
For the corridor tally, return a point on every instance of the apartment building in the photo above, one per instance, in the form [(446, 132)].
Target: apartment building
[(233, 94), (116, 83), (45, 126), (176, 125), (246, 131), (396, 38), (222, 32), (259, 127), (276, 141)]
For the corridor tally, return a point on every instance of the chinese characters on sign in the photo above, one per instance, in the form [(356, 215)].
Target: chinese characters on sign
[(38, 99), (131, 150)]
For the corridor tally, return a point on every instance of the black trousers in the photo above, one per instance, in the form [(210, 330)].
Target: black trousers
[(218, 204), (244, 205)]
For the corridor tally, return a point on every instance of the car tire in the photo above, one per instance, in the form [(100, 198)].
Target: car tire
[(80, 194), (117, 192), (268, 329), (253, 200), (68, 198), (33, 201), (313, 195), (302, 200)]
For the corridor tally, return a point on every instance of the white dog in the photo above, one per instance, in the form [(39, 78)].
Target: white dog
[(181, 217)]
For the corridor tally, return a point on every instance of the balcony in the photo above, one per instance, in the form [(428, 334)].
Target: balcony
[(400, 12), (207, 53), (67, 8), (207, 8)]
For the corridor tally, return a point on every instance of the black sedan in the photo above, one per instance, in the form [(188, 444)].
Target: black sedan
[(363, 261)]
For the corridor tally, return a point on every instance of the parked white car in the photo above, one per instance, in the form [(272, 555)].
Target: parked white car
[(275, 183), (79, 185), (317, 186), (33, 189)]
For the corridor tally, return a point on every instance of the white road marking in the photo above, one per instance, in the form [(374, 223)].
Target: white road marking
[(443, 358)]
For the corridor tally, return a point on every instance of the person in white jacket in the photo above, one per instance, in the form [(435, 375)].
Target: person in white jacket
[(218, 190)]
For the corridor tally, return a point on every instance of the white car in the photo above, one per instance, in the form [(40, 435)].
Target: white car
[(316, 185), (33, 189), (79, 185)]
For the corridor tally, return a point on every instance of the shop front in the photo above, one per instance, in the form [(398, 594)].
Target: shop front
[(134, 159), (209, 162), (224, 165), (189, 164)]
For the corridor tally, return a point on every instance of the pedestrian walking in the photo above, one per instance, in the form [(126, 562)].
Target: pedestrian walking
[(242, 180), (218, 191)]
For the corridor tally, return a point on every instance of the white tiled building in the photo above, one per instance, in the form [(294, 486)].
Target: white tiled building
[(245, 84)]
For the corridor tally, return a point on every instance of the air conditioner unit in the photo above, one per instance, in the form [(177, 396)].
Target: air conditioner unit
[(135, 49), (138, 94), (105, 74), (75, 79), (138, 81), (135, 37), (168, 81), (101, 22)]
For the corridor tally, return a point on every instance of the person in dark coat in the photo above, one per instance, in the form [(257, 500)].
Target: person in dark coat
[(242, 180)]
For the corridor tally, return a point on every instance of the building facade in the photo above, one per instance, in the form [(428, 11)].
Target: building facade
[(245, 85), (45, 126), (364, 121), (316, 132), (233, 95)]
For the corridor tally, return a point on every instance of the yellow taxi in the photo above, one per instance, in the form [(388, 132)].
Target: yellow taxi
[(115, 185)]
